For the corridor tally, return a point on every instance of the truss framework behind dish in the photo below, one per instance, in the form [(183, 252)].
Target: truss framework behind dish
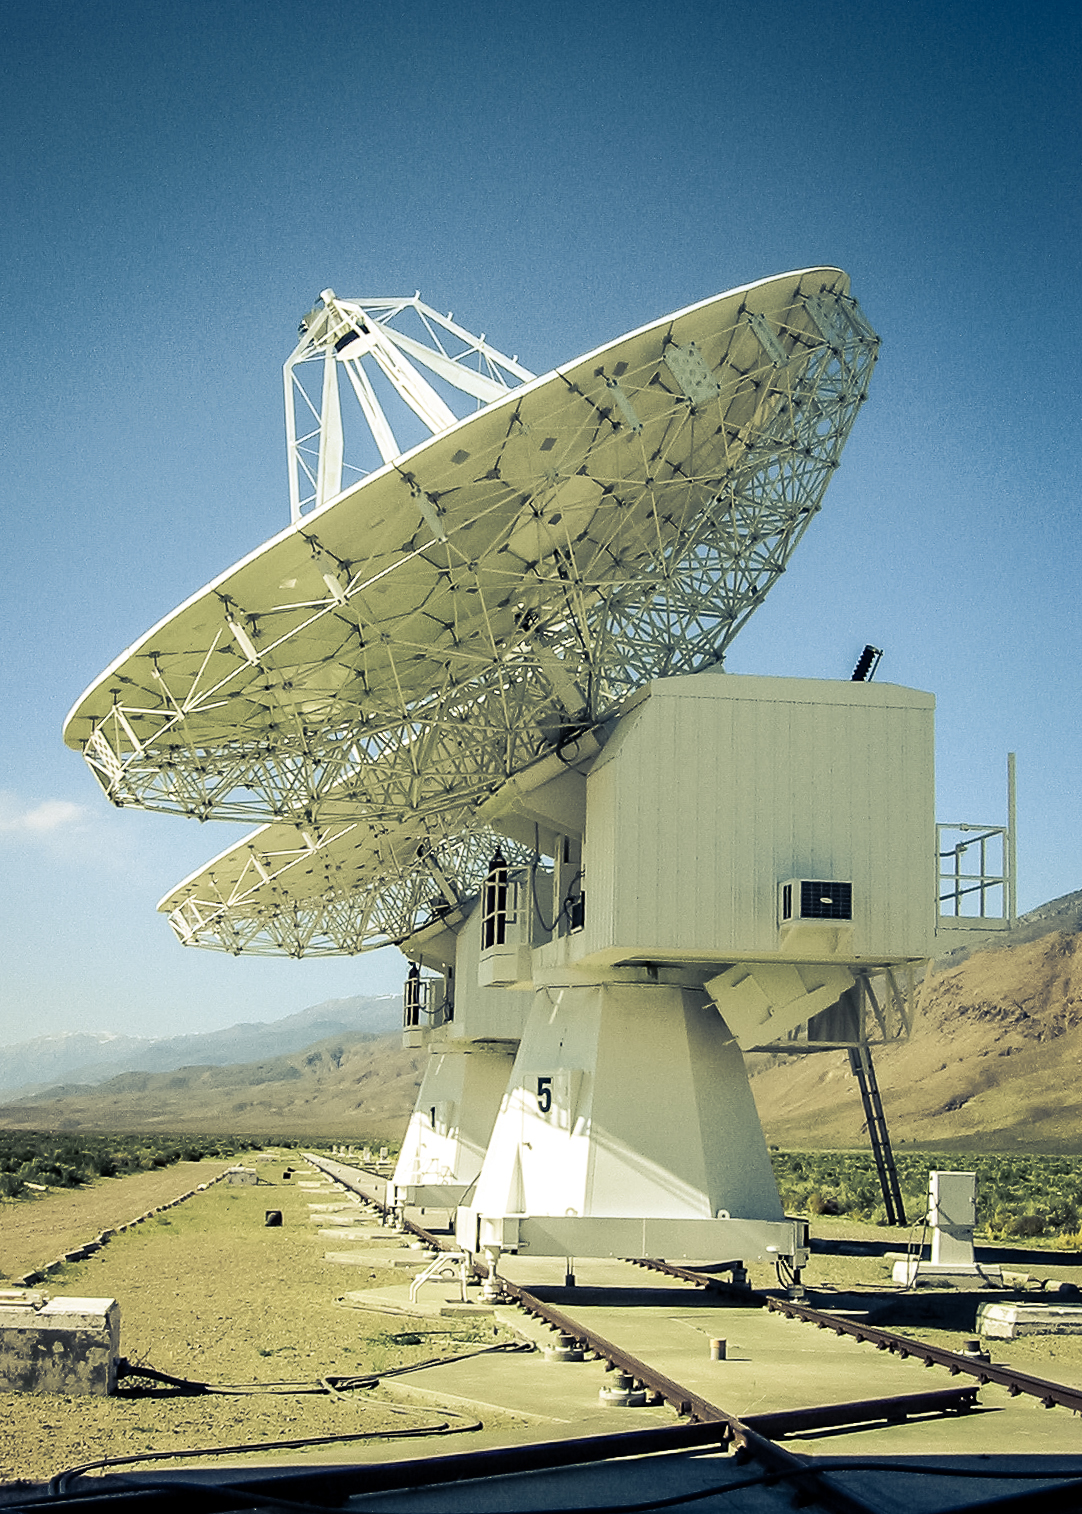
[(614, 523)]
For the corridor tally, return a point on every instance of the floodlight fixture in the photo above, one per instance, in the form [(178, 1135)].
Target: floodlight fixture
[(867, 663)]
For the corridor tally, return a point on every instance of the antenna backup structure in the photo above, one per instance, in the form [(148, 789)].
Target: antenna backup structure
[(473, 693)]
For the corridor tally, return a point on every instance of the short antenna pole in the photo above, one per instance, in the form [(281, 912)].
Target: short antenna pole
[(1012, 859)]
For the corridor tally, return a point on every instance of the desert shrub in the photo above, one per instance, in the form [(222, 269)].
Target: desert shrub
[(823, 1203), (67, 1161), (1036, 1195)]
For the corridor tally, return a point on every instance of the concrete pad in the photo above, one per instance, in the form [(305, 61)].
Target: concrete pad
[(351, 1233), (1008, 1321), (395, 1300), (357, 1258), (909, 1272)]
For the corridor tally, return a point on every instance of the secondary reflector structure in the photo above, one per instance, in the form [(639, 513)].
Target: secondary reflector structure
[(365, 346), (405, 646)]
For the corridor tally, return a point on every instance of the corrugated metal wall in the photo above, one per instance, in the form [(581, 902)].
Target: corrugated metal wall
[(719, 787)]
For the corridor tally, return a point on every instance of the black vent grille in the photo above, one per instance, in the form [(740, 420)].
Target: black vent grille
[(826, 901)]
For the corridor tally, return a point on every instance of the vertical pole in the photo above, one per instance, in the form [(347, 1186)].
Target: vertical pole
[(1012, 899), (291, 445), (984, 875)]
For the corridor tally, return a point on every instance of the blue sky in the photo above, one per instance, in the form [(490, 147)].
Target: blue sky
[(179, 183)]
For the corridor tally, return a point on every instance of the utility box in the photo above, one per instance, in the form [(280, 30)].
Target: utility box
[(743, 819), (59, 1345), (952, 1214)]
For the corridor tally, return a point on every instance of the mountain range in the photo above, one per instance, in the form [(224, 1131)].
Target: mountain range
[(994, 1062), (30, 1067), (353, 1087)]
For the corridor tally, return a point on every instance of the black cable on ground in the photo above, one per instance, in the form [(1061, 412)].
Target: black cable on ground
[(60, 1484), (216, 1494), (815, 1468), (1061, 1481), (330, 1384)]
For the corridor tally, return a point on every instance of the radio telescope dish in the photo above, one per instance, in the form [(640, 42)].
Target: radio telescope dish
[(335, 891), (402, 649)]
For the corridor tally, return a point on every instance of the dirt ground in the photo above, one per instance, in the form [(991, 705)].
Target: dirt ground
[(208, 1292), (852, 1269), (34, 1231)]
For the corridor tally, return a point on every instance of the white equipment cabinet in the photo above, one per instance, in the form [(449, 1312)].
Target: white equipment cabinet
[(727, 787)]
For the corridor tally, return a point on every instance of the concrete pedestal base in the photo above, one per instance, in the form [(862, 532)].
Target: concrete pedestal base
[(627, 1129), (1009, 1321), (449, 1129), (908, 1272)]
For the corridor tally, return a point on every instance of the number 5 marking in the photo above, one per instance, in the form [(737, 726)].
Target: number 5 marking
[(544, 1094)]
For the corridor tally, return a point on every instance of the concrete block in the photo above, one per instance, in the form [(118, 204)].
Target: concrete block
[(63, 1345), (912, 1271), (242, 1176)]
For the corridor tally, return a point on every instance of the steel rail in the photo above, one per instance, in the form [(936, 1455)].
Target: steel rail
[(751, 1437), (1048, 1393)]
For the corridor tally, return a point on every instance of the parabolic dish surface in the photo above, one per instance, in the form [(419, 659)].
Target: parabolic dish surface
[(397, 654), (346, 888)]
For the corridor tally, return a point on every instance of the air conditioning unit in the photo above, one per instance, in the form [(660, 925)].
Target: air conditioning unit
[(815, 916)]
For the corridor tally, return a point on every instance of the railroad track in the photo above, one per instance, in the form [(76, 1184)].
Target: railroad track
[(755, 1436)]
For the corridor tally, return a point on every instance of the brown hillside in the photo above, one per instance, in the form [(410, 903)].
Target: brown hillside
[(994, 1061), (352, 1087)]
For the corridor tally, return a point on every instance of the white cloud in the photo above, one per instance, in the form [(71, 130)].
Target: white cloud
[(49, 817)]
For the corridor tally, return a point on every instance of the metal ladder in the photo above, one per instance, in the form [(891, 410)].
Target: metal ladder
[(860, 1060)]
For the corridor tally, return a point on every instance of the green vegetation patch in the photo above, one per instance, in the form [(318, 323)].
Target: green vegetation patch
[(1023, 1195), (31, 1160)]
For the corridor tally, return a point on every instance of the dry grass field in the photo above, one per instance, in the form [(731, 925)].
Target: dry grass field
[(209, 1293)]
